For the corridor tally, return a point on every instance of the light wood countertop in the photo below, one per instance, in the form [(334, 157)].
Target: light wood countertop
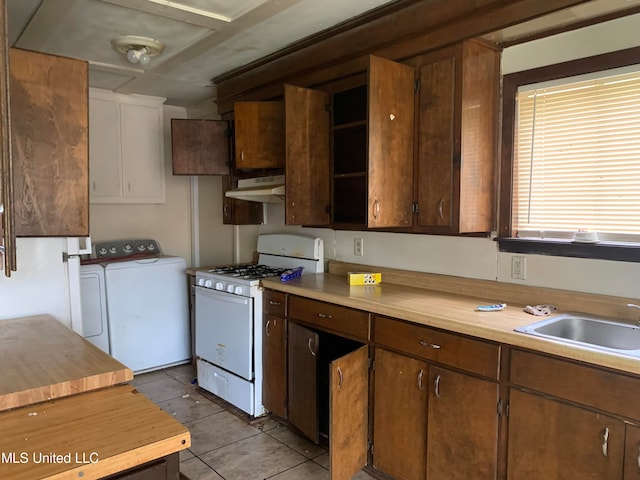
[(94, 435), (68, 412), (41, 359), (454, 312)]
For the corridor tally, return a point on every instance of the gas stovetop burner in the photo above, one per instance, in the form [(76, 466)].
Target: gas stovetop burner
[(249, 271)]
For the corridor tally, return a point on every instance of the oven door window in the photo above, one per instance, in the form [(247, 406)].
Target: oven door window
[(224, 331)]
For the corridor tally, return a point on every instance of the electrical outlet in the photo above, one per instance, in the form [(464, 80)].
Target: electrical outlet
[(518, 267), (358, 247)]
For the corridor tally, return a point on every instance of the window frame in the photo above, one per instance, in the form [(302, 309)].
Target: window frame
[(510, 83)]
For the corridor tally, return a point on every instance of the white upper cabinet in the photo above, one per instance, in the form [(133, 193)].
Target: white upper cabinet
[(126, 151)]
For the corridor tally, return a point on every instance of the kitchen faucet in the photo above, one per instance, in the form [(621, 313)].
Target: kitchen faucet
[(633, 305)]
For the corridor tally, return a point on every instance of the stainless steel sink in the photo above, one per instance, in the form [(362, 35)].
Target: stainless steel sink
[(595, 332)]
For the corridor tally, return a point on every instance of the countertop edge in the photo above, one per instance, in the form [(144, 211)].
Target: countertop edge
[(484, 325)]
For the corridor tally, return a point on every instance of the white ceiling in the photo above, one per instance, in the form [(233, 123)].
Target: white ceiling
[(203, 38), (206, 38)]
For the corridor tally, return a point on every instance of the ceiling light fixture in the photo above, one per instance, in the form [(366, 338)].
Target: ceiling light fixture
[(138, 49)]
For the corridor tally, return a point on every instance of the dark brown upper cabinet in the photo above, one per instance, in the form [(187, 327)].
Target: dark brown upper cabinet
[(308, 156), (239, 212), (50, 148), (200, 147), (259, 135), (361, 161), (457, 139)]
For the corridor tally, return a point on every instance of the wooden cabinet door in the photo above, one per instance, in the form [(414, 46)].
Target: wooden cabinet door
[(439, 147), (259, 135), (400, 415), (348, 412), (632, 453), (553, 440), (6, 176), (200, 147), (49, 132), (239, 212), (274, 364), (307, 177), (303, 348), (457, 139), (462, 438), (390, 143)]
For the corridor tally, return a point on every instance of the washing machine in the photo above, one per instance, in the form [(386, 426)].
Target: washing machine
[(95, 325)]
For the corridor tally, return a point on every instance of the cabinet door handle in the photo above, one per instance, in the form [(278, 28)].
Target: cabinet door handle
[(324, 315), (376, 209), (273, 302), (311, 349), (605, 442), (340, 379), (242, 155), (266, 328), (639, 458), (440, 209), (420, 375), (225, 210), (436, 386), (435, 346)]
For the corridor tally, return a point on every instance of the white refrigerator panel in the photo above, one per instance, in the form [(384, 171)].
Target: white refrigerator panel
[(148, 312), (224, 330)]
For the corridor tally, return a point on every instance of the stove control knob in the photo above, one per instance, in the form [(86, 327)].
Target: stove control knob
[(219, 286), (208, 283), (230, 288), (201, 282), (238, 290)]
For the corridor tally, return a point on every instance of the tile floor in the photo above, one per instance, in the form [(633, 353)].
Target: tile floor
[(225, 444)]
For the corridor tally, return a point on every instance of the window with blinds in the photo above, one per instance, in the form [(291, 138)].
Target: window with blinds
[(577, 157)]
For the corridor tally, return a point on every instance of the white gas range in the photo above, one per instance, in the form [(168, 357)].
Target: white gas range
[(229, 312)]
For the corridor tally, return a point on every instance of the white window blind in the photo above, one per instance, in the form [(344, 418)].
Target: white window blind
[(577, 158)]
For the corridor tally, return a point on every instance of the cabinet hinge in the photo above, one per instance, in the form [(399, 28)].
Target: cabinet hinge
[(416, 86), (371, 448), (500, 407), (372, 364), (506, 410)]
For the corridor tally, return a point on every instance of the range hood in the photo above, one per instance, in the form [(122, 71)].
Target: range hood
[(260, 189)]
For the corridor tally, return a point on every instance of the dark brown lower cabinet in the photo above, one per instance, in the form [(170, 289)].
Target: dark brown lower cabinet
[(558, 441), (303, 348), (274, 364), (400, 415), (462, 433), (328, 382), (431, 422), (632, 453), (167, 468)]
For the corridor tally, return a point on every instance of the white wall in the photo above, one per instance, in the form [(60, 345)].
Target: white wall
[(169, 223), (40, 283), (479, 257)]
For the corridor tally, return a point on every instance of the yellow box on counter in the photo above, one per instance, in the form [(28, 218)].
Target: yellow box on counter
[(364, 278)]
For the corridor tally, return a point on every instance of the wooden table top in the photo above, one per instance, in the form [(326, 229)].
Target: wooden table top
[(42, 359), (91, 435)]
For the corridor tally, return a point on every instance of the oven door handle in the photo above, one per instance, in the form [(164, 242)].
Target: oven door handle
[(221, 296)]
